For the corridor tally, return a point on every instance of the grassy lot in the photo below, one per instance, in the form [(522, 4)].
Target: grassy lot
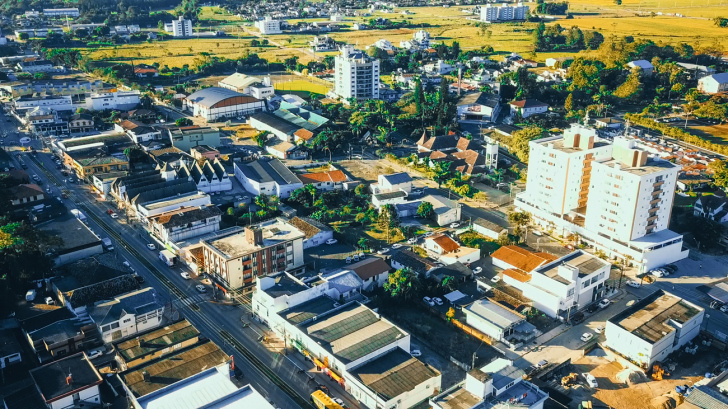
[(717, 131), (301, 85), (216, 14), (690, 8)]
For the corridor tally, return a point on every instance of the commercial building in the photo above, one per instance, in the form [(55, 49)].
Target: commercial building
[(210, 177), (490, 13), (69, 382), (186, 222), (35, 66), (156, 343), (95, 160), (268, 176), (356, 75), (256, 87), (579, 183), (127, 314), (90, 280), (55, 87), (713, 84), (170, 198), (53, 102), (180, 27), (118, 100), (78, 241), (238, 256), (215, 103), (653, 327), (268, 26), (66, 12)]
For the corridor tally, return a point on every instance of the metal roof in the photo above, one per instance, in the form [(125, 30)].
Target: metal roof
[(211, 96), (394, 373)]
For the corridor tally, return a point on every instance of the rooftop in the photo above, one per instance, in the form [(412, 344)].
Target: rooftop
[(65, 377), (390, 195), (394, 373), (521, 259), (8, 343), (273, 170), (413, 261), (210, 97), (25, 398), (397, 178), (74, 234), (285, 285), (307, 310), (89, 271), (494, 313), (488, 225), (184, 216), (370, 267), (445, 242), (585, 262), (136, 302), (156, 339), (652, 166), (179, 199), (650, 317), (235, 244), (310, 227), (239, 80)]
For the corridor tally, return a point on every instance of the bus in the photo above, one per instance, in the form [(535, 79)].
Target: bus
[(323, 401)]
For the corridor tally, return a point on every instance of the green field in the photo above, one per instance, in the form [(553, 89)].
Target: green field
[(301, 85)]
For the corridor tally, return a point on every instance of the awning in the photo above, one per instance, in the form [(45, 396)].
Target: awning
[(454, 296), (719, 292), (318, 363)]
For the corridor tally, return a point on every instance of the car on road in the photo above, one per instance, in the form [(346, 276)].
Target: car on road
[(585, 337), (49, 301), (185, 275), (396, 245), (590, 380), (383, 251), (604, 303), (356, 156), (59, 198), (495, 279), (536, 233), (151, 246), (454, 225), (478, 270), (437, 300), (201, 288), (415, 353), (114, 216), (126, 264), (428, 301), (658, 273), (339, 402), (599, 329), (724, 308), (94, 354), (633, 284), (36, 178), (64, 195), (541, 364), (331, 241), (501, 185), (413, 240)]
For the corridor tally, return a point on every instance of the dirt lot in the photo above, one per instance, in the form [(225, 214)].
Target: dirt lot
[(368, 170)]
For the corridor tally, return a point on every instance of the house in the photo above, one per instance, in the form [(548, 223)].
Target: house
[(127, 314), (609, 122), (317, 233), (268, 176), (498, 384), (373, 272), (45, 120), (81, 123), (652, 328), (138, 131), (145, 71), (713, 207), (210, 177), (396, 182), (479, 106), (10, 350), (456, 271), (61, 338), (528, 107), (78, 241), (439, 67), (88, 162), (498, 321), (323, 43), (449, 251), (698, 71), (185, 223), (25, 193), (645, 66), (446, 211), (333, 179), (68, 382), (35, 66), (188, 137), (488, 229), (514, 257), (412, 261), (229, 256), (204, 152), (285, 150), (713, 84), (557, 62)]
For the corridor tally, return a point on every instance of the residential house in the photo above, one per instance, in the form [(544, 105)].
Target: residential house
[(446, 211), (608, 123), (168, 198), (267, 176), (698, 71), (127, 314), (456, 271), (479, 106), (235, 257), (439, 67), (396, 182), (711, 206), (61, 338), (373, 271), (488, 229), (210, 177), (285, 150), (652, 328), (81, 123), (645, 66), (449, 251), (138, 131), (408, 259), (204, 152), (499, 322), (69, 382), (528, 107), (317, 233), (10, 350), (333, 179), (185, 223), (25, 193), (323, 43), (35, 66), (145, 71), (713, 84)]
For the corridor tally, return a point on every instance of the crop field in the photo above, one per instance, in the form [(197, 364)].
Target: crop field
[(688, 8), (301, 85)]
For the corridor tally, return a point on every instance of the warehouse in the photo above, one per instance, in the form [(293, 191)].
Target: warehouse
[(217, 103)]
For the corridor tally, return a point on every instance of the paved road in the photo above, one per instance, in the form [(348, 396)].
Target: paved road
[(214, 320)]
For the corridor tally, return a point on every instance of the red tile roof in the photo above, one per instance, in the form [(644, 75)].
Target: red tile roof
[(517, 275), (335, 176), (521, 259), (447, 244), (304, 134)]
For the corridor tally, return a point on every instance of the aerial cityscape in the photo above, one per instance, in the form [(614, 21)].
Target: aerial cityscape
[(427, 204)]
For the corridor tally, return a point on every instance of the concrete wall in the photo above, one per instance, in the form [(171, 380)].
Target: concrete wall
[(88, 395)]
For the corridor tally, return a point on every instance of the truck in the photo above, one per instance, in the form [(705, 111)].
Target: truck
[(108, 246), (168, 257), (79, 215)]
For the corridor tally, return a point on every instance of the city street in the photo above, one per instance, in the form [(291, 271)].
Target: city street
[(279, 378)]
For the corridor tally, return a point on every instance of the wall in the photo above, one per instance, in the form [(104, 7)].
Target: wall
[(487, 328), (622, 341), (89, 395), (78, 254)]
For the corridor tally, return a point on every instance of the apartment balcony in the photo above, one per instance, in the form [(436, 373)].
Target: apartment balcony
[(651, 218), (658, 184), (655, 201), (653, 209), (656, 192)]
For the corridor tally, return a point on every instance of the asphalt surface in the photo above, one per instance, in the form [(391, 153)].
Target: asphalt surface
[(279, 378)]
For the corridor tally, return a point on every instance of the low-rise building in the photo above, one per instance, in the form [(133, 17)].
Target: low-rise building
[(479, 106), (68, 382), (333, 179), (528, 107), (237, 256), (711, 207), (10, 350), (488, 229), (64, 12), (414, 262), (81, 123), (204, 152), (268, 26), (127, 314), (396, 182), (61, 338), (317, 233), (35, 66), (713, 84), (210, 177), (152, 344), (115, 100), (188, 137), (88, 162), (449, 251), (78, 241), (652, 328), (215, 103), (242, 83), (168, 199), (186, 222), (25, 193), (645, 66), (373, 271), (499, 322), (270, 177), (137, 131), (52, 102)]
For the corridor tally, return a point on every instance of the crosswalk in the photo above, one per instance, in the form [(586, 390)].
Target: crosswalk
[(189, 301)]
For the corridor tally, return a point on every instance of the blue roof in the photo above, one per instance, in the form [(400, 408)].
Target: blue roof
[(397, 178)]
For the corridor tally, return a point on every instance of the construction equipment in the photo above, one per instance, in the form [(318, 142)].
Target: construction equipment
[(569, 380), (658, 372)]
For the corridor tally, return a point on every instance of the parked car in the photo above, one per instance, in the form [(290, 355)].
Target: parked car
[(585, 337), (724, 308), (94, 354), (599, 329), (495, 279), (428, 301), (542, 364), (590, 380), (339, 402), (348, 260), (437, 300), (454, 225), (331, 241), (478, 270), (201, 288), (383, 251), (415, 353), (413, 240), (633, 284), (151, 246), (536, 233), (670, 267), (186, 276), (604, 303), (49, 301), (114, 216)]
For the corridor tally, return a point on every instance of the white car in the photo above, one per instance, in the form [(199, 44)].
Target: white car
[(495, 279), (94, 354), (428, 301), (396, 245), (724, 308), (590, 380), (151, 246), (585, 337), (536, 233), (413, 240), (338, 401), (599, 329), (49, 301), (331, 241), (415, 353), (201, 288), (186, 276), (114, 216), (478, 270), (126, 263), (455, 225), (437, 300), (604, 303), (383, 251), (633, 284)]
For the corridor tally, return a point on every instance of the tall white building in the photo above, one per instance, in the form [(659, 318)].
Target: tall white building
[(493, 14), (180, 27), (357, 75), (613, 195), (269, 26)]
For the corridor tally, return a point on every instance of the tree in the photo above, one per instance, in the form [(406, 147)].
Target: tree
[(569, 104), (403, 283), (503, 240), (364, 243), (631, 88), (442, 172), (520, 220), (361, 190), (160, 25), (23, 36), (450, 314), (521, 138), (713, 111), (183, 122), (704, 231), (425, 210), (388, 217), (261, 138), (720, 173)]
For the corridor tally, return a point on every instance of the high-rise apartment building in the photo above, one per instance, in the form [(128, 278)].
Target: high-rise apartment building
[(356, 75), (269, 26), (180, 27), (613, 195), (494, 14)]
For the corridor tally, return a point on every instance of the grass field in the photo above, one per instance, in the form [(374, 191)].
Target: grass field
[(301, 85), (689, 8)]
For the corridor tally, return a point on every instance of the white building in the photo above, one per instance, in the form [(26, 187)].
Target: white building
[(645, 66), (52, 102), (270, 177), (356, 75), (498, 385), (211, 177), (653, 327), (257, 87), (479, 106), (180, 27), (612, 195), (317, 233), (215, 104), (449, 251), (323, 43), (528, 107), (269, 26), (127, 314), (498, 322), (156, 207), (119, 100), (494, 14), (567, 284), (184, 223), (713, 84), (67, 12), (395, 182)]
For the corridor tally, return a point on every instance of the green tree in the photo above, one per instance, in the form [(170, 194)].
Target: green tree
[(521, 138), (720, 173), (183, 122), (442, 172), (403, 283), (450, 314), (361, 190), (261, 138), (569, 104), (519, 220), (364, 243), (425, 210), (388, 217), (632, 87)]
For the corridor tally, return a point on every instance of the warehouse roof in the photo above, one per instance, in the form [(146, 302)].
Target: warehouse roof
[(208, 97), (273, 170), (394, 373)]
